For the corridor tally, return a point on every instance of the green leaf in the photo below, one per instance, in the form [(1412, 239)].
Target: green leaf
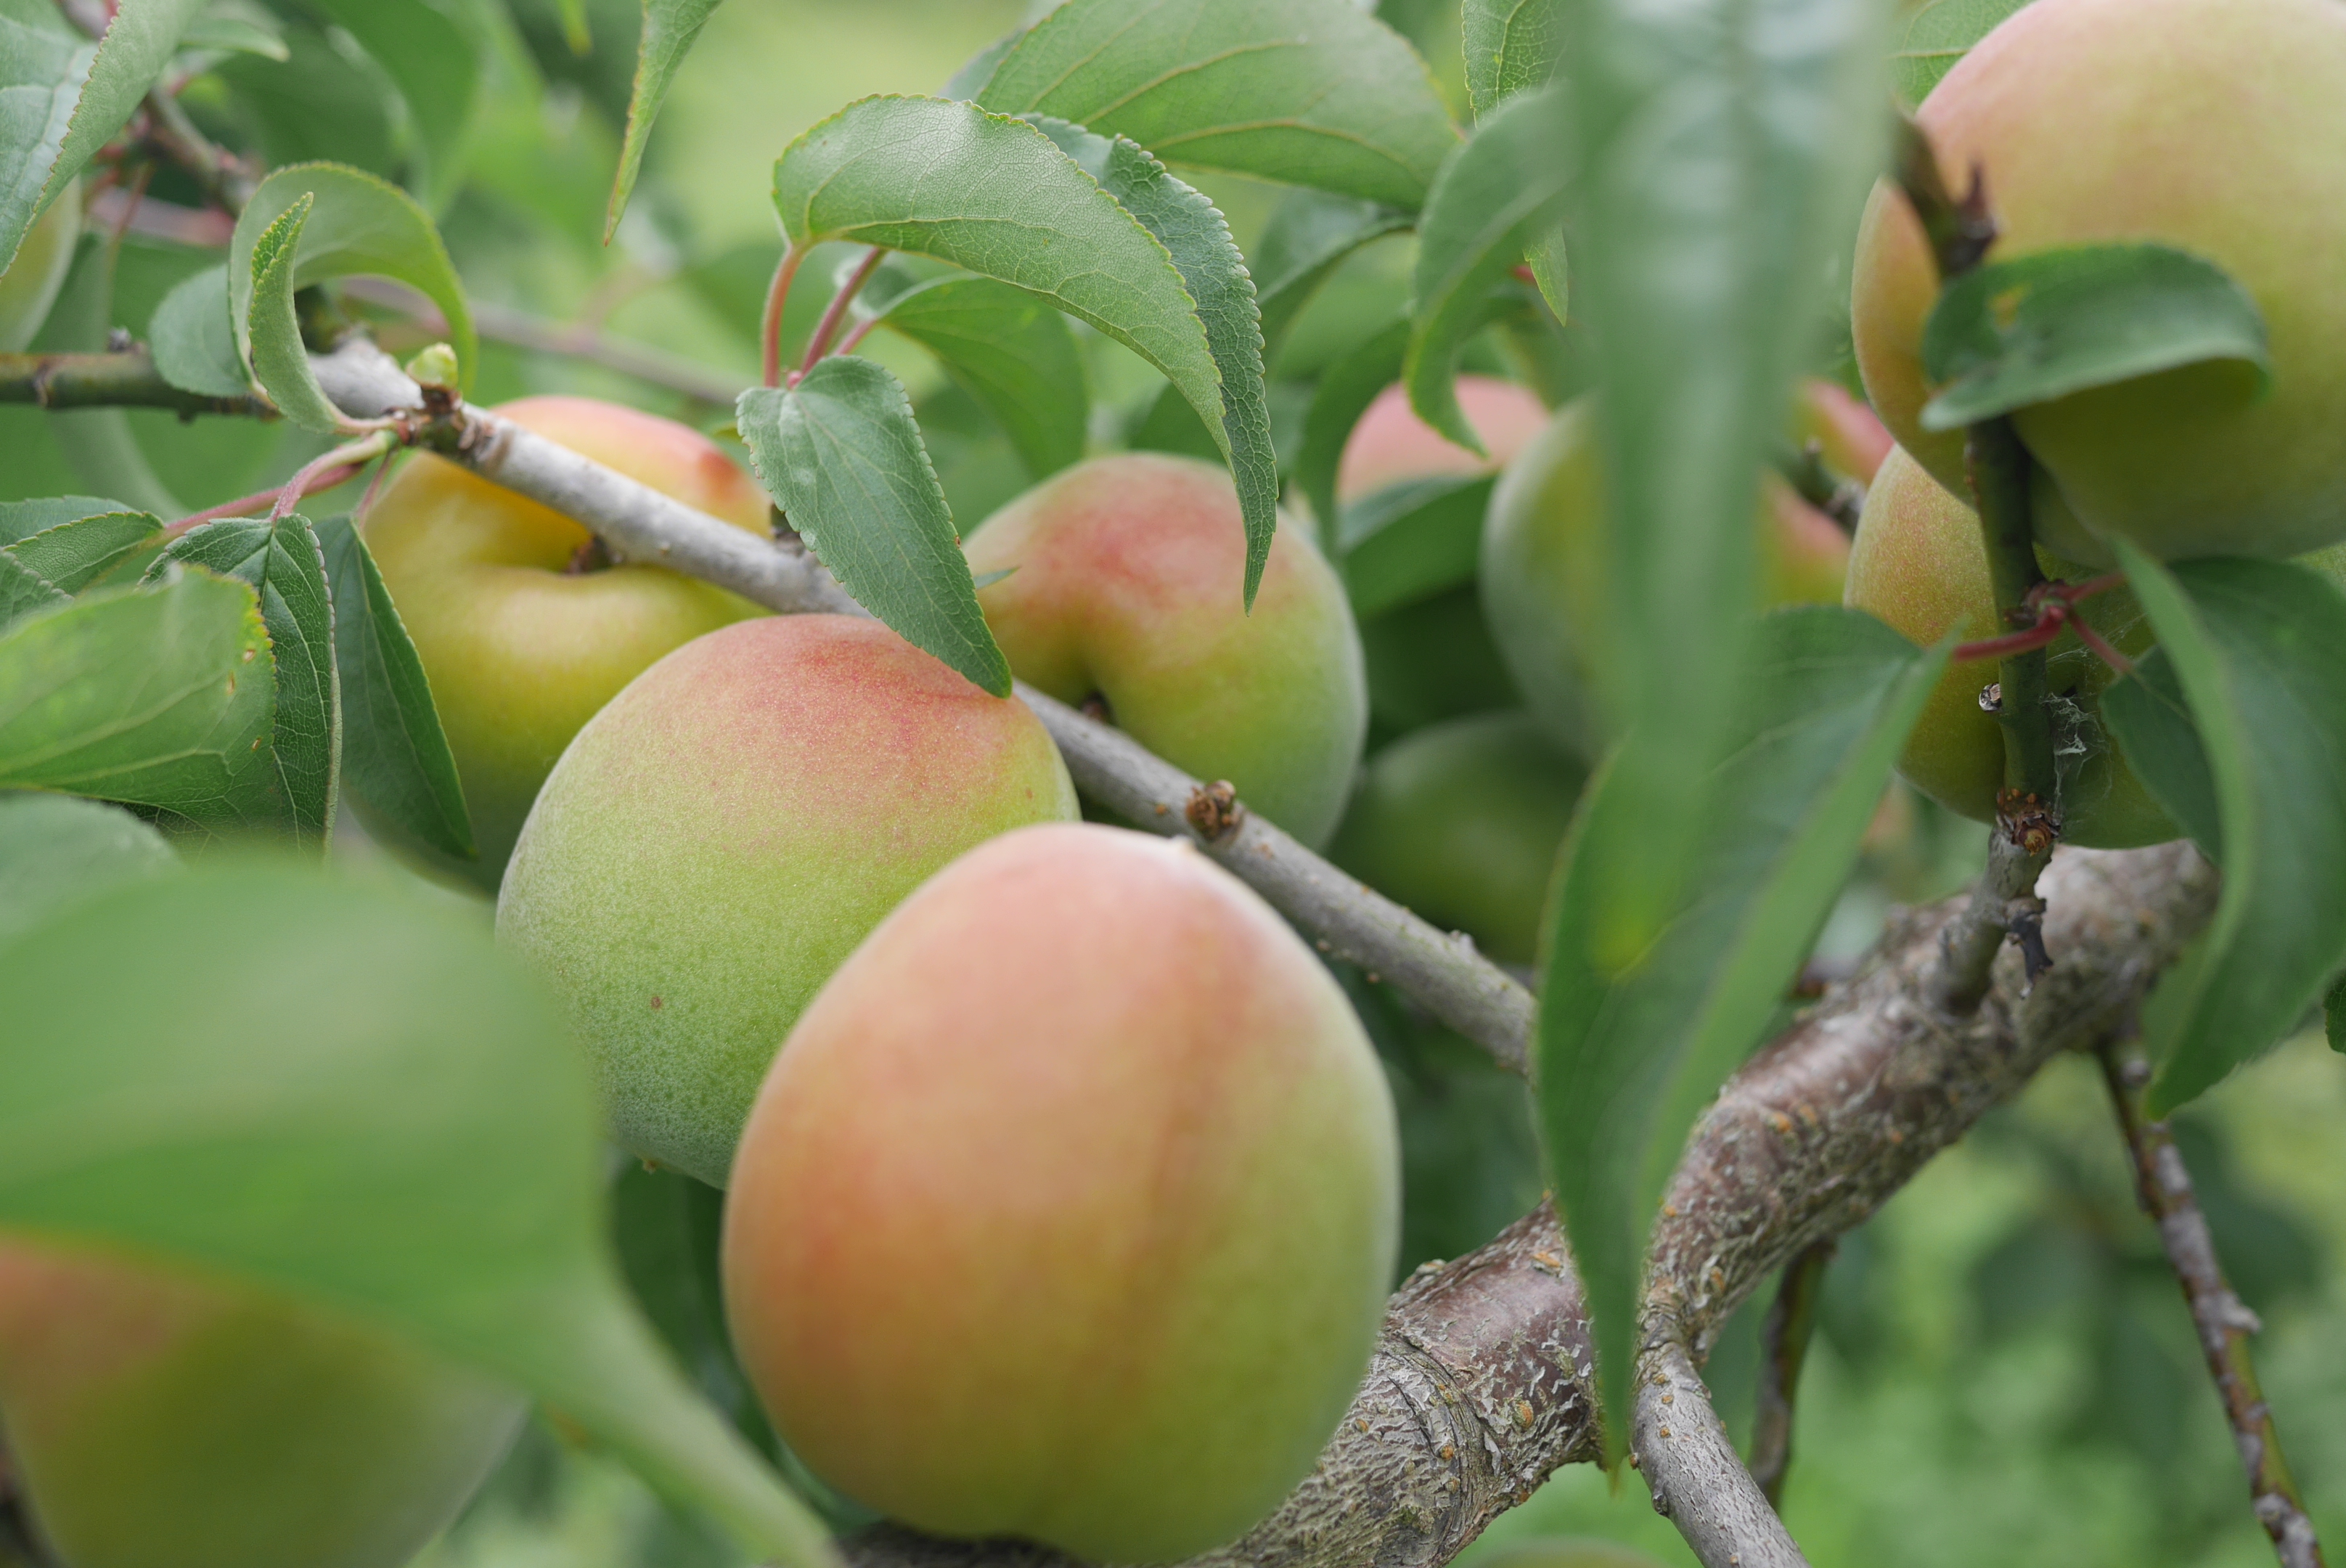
[(193, 339), (436, 71), (394, 753), (1724, 149), (272, 327), (1193, 232), (23, 591), (1938, 34), (153, 696), (2260, 649), (1510, 45), (285, 564), (1309, 234), (56, 850), (401, 1129), (96, 442), (236, 34), (22, 519), (1306, 92), (1346, 390), (72, 555), (1408, 542), (1012, 353), (2152, 721), (963, 84), (840, 454), (1629, 1055), (2334, 1010), (357, 225), (995, 195), (2056, 321), (61, 98), (669, 28), (1495, 197)]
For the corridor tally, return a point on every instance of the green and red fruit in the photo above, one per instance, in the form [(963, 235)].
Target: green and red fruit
[(157, 1419), (1069, 1209), (1390, 445), (2215, 126), (726, 831), (1921, 566), (523, 627), (1125, 585), (1461, 821), (1546, 575)]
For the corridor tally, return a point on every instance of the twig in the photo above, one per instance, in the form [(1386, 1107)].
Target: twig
[(1482, 1385), (1697, 1479), (2223, 1320), (577, 340), (1784, 1347), (124, 380), (226, 180), (820, 339), (769, 326)]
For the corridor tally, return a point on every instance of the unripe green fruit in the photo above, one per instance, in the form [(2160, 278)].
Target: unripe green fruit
[(1920, 566), (1127, 587), (1069, 1210), (1461, 821), (1546, 575), (1433, 659), (1390, 445), (156, 1419), (726, 830), (521, 636), (30, 285), (2218, 127)]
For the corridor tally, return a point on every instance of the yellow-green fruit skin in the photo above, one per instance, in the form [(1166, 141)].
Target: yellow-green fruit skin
[(30, 285), (1069, 1210), (726, 831), (519, 650), (1127, 577), (1546, 575), (1921, 566), (1461, 821), (159, 1421), (2216, 127)]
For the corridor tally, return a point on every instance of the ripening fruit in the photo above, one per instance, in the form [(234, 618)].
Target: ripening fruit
[(1391, 445), (1546, 579), (727, 828), (2216, 127), (1920, 566), (524, 626), (156, 1419), (1127, 582), (1461, 823), (1069, 1209), (30, 285)]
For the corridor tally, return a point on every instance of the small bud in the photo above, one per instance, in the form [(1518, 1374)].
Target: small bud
[(434, 366)]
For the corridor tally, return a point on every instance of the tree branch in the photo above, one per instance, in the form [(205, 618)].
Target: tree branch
[(1696, 1477), (2224, 1322), (125, 380)]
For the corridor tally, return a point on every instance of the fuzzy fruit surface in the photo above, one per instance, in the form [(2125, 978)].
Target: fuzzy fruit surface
[(520, 648), (1546, 574), (159, 1421), (1392, 445), (2216, 127), (30, 285), (1921, 566), (1461, 821), (1069, 1210), (1128, 582), (726, 831)]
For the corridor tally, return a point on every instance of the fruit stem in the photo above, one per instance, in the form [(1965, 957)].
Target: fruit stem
[(336, 466), (833, 312), (770, 329)]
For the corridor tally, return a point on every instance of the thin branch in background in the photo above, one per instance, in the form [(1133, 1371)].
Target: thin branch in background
[(2223, 1321), (1839, 498), (126, 378), (1698, 1482), (1784, 1347), (227, 181)]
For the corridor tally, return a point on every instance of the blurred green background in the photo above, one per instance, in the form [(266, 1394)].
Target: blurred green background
[(2005, 1374)]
